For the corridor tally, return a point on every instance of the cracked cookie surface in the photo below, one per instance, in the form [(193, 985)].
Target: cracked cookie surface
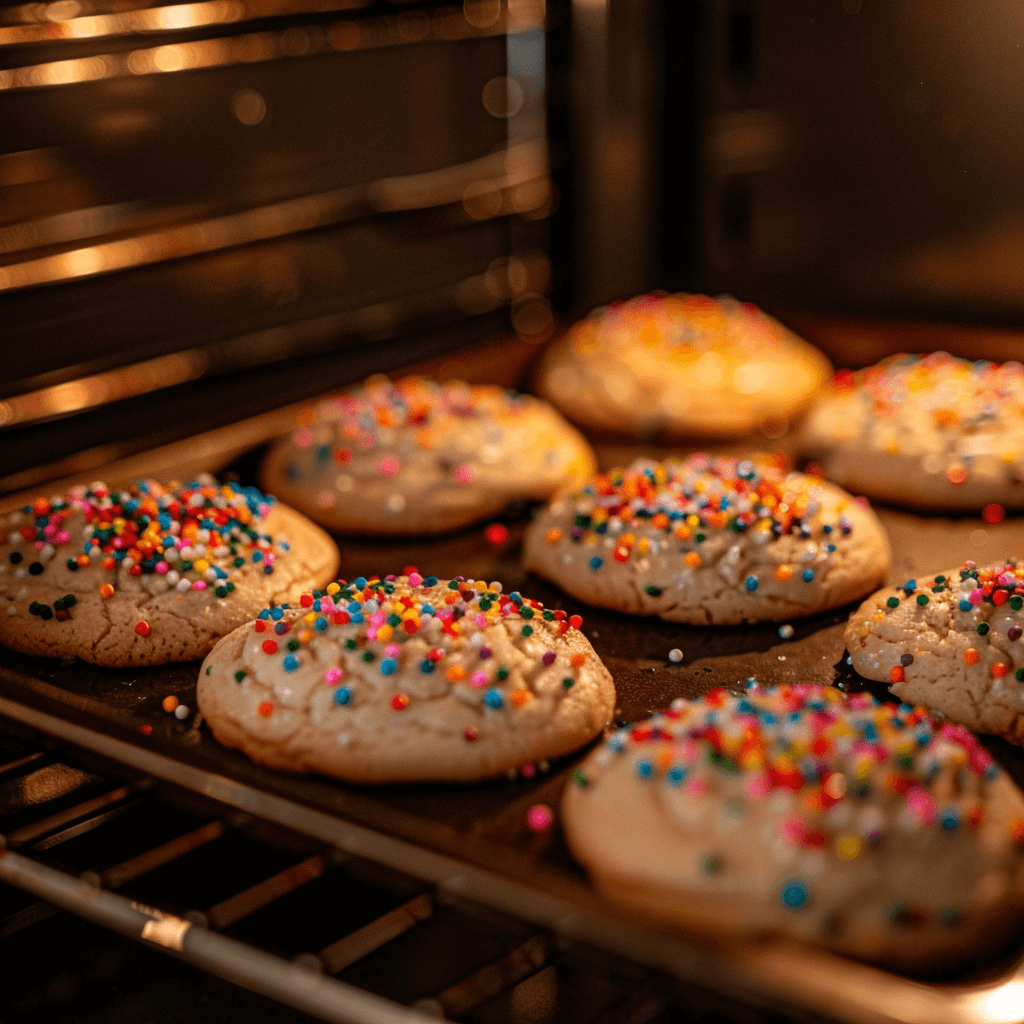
[(951, 642), (419, 457), (709, 540), (930, 432), (667, 366), (150, 574), (406, 679), (867, 828)]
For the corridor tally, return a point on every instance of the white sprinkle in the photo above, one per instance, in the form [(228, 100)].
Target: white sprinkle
[(675, 655), (181, 712), (184, 586), (12, 610), (786, 631), (395, 502)]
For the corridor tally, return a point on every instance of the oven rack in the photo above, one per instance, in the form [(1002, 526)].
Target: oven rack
[(332, 934)]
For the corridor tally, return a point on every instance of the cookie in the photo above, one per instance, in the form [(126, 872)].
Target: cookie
[(670, 366), (930, 432), (867, 828), (406, 679), (150, 574), (709, 540), (952, 643), (418, 457)]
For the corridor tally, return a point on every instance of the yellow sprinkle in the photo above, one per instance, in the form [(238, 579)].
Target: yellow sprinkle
[(692, 520), (848, 847), (384, 632), (642, 545), (480, 587), (201, 566), (878, 616), (333, 588)]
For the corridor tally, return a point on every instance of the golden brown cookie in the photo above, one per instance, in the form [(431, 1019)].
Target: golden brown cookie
[(929, 432), (867, 828), (407, 679), (416, 457), (950, 642), (670, 366), (150, 574), (709, 540)]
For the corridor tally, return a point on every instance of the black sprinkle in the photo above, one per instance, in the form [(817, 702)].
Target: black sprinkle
[(35, 569)]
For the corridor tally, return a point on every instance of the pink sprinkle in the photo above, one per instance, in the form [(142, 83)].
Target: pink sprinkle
[(389, 465), (63, 537), (199, 585), (392, 650), (479, 679), (528, 771), (481, 620), (758, 786), (463, 473), (976, 596), (415, 579), (539, 817), (39, 545), (377, 619), (49, 530), (921, 805), (303, 437), (161, 568), (371, 632), (696, 786), (332, 676), (791, 829)]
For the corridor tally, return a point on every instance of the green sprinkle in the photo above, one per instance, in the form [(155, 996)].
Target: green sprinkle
[(292, 645), (982, 628), (1016, 601), (527, 630), (711, 864), (579, 778), (922, 599), (893, 602), (568, 682), (367, 656), (652, 590), (239, 676), (350, 645), (502, 673), (209, 669), (221, 591)]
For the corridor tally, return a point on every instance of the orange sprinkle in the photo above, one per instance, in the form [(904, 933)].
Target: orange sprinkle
[(971, 656), (692, 559), (456, 673), (553, 536), (999, 669), (107, 590), (956, 474), (519, 697), (264, 709), (169, 703), (783, 573), (578, 660), (896, 674)]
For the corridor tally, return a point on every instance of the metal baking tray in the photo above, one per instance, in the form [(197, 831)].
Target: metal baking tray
[(475, 839)]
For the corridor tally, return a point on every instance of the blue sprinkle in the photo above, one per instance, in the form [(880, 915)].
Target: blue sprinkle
[(675, 775), (807, 575), (293, 472), (492, 698), (323, 453), (430, 581), (910, 586), (342, 695), (795, 895), (426, 666), (265, 614), (596, 562), (388, 666), (752, 583), (316, 605), (276, 614), (360, 582), (949, 819), (427, 609), (356, 618), (257, 556), (290, 663), (267, 570), (320, 625), (965, 605), (644, 769), (870, 732), (991, 772)]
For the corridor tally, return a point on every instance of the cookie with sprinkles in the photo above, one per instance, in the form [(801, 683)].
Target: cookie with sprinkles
[(669, 366), (709, 540), (150, 574), (419, 457), (407, 679), (931, 432), (951, 642), (867, 828)]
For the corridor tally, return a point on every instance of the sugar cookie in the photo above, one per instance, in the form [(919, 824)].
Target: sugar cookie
[(950, 642), (406, 679), (709, 541), (417, 457), (930, 432), (673, 366), (867, 828), (150, 574)]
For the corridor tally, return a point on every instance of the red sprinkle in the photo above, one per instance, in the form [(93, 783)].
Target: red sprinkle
[(264, 709), (993, 513), (496, 533), (400, 702), (145, 729), (575, 621), (270, 646), (142, 628), (470, 734)]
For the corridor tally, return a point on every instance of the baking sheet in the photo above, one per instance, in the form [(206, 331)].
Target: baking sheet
[(486, 824)]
